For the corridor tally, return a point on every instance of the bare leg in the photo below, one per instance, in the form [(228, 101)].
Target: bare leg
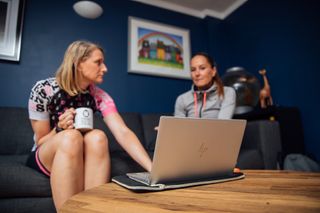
[(97, 159), (63, 156)]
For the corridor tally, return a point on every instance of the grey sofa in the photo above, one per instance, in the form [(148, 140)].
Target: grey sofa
[(25, 190)]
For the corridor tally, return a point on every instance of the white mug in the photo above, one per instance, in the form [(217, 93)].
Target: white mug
[(83, 120)]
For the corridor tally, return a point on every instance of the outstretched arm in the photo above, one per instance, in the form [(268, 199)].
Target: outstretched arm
[(128, 140)]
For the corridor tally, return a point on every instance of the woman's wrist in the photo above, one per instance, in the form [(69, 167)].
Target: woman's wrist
[(58, 129)]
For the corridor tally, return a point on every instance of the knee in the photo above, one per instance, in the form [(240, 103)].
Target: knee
[(71, 143), (96, 142)]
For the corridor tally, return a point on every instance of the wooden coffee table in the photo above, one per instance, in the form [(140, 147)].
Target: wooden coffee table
[(260, 191)]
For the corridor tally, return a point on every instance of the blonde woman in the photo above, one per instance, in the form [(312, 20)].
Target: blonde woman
[(76, 161)]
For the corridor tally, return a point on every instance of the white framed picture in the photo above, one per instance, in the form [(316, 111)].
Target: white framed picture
[(11, 19), (158, 49)]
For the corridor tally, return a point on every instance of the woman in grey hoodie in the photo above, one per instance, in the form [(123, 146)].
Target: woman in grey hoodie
[(208, 98)]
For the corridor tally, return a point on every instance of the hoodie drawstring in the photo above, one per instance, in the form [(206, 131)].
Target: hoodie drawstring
[(195, 105), (204, 101)]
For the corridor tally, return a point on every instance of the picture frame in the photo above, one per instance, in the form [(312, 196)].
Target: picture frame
[(11, 22), (158, 49)]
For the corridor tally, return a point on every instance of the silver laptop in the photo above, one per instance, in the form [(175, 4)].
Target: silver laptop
[(193, 148)]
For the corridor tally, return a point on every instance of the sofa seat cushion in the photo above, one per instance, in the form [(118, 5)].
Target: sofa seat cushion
[(250, 159), (149, 122), (22, 159), (122, 163), (16, 132), (132, 120), (18, 180), (27, 205)]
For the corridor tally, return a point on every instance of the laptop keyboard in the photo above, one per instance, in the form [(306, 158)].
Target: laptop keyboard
[(143, 177)]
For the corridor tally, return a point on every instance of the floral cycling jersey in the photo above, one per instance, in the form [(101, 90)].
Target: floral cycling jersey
[(48, 101)]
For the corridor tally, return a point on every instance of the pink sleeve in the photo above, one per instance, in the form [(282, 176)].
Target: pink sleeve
[(104, 102)]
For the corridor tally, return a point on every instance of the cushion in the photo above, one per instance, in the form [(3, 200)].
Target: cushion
[(264, 135), (21, 159), (16, 132), (149, 122), (34, 205), (122, 163), (132, 120), (250, 159), (18, 180)]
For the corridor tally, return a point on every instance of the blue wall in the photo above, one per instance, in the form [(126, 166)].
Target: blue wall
[(281, 36)]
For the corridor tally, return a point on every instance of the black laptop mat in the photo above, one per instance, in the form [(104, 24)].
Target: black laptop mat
[(125, 181)]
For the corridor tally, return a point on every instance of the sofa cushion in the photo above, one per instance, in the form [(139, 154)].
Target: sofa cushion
[(27, 205), (21, 159), (149, 122), (16, 132), (122, 163), (18, 180), (132, 120), (264, 135), (250, 159)]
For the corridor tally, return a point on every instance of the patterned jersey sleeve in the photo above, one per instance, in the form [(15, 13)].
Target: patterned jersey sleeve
[(39, 99), (104, 102)]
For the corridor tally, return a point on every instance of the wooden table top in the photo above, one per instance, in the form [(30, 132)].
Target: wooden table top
[(259, 191)]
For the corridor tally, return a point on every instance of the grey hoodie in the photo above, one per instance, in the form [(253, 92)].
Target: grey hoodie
[(206, 104)]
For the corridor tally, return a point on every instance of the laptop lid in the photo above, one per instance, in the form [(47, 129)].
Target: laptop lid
[(190, 148)]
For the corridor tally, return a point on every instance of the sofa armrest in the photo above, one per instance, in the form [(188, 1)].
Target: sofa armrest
[(264, 135)]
